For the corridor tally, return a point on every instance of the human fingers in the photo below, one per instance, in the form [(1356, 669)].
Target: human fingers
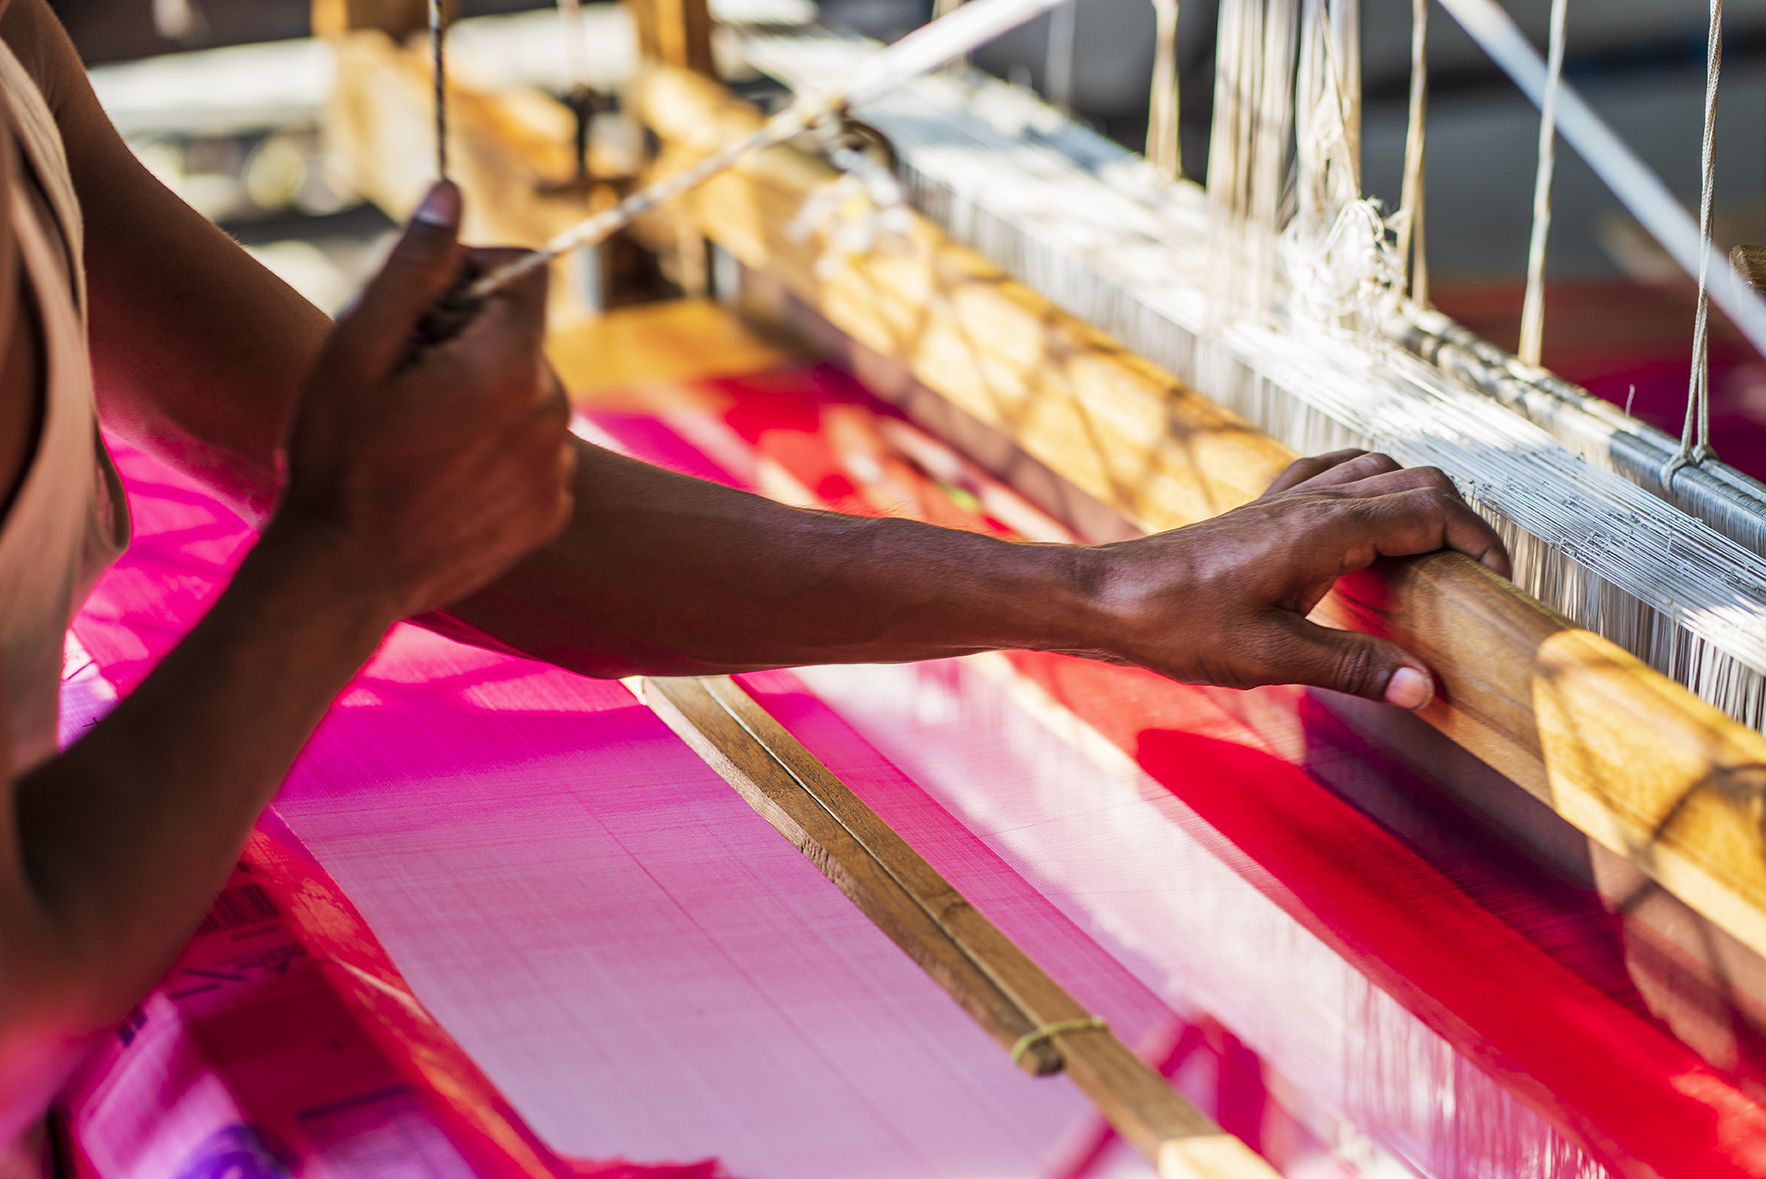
[(1297, 651), (1303, 469), (1353, 470), (1390, 481), (510, 327), (1423, 519), (374, 334)]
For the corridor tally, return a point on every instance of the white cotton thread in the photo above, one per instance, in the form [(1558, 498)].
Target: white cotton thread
[(1695, 435), (1533, 309)]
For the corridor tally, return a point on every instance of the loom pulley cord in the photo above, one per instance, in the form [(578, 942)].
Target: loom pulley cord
[(1695, 434), (1533, 309), (1410, 225), (1164, 145)]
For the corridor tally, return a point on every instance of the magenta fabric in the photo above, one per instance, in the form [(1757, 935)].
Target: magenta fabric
[(643, 968), (631, 956)]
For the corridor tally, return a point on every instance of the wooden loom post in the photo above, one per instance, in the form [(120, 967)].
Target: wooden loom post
[(674, 33), (1007, 993)]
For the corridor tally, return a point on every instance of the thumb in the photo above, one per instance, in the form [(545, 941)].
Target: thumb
[(1346, 661), (422, 265)]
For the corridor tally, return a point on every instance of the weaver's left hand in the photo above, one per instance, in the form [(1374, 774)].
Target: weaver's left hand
[(1225, 601)]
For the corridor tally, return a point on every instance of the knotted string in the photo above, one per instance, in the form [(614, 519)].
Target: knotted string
[(1695, 435), (1533, 310), (1031, 1039), (441, 95)]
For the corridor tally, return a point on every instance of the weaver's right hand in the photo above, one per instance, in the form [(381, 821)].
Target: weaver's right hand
[(435, 472)]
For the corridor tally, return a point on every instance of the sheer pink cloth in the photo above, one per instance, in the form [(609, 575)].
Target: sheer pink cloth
[(641, 967)]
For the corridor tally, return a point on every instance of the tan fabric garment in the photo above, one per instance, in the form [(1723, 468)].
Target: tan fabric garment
[(69, 520)]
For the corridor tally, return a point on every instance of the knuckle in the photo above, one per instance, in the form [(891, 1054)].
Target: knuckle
[(1358, 669)]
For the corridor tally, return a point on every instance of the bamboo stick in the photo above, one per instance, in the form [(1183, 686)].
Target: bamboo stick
[(923, 914)]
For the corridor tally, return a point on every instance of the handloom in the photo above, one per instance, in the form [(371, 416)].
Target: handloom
[(1623, 754)]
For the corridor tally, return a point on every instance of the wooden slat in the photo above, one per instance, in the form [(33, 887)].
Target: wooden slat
[(691, 711), (932, 922)]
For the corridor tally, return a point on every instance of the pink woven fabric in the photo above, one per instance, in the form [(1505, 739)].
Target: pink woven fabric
[(632, 956), (643, 968)]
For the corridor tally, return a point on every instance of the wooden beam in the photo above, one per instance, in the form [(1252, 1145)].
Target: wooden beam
[(995, 981), (1635, 761)]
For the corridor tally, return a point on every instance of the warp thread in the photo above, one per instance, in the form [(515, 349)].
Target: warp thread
[(1533, 309), (1031, 1039), (1695, 434)]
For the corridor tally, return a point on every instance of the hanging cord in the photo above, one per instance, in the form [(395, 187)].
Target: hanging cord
[(1057, 70), (1164, 144), (1695, 435), (1410, 224), (1533, 310), (441, 89)]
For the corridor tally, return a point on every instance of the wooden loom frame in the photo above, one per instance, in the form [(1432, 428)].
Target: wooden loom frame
[(1633, 760)]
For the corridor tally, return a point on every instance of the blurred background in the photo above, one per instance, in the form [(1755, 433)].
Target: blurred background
[(235, 131)]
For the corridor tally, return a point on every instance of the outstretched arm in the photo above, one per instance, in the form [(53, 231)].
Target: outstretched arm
[(662, 573), (198, 351)]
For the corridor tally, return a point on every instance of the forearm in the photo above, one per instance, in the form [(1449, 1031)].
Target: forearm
[(664, 574), (124, 838)]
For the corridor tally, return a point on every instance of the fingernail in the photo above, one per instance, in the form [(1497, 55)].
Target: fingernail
[(441, 207), (1409, 688)]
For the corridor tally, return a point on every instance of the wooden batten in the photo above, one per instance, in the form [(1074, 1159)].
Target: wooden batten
[(1007, 993), (1635, 761)]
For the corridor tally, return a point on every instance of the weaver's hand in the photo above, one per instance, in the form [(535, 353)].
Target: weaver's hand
[(1225, 601), (433, 470)]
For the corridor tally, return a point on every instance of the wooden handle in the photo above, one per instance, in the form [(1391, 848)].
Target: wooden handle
[(970, 958)]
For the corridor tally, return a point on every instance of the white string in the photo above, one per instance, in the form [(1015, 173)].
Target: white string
[(1164, 145), (441, 95), (1057, 72), (1533, 309), (1410, 221), (1638, 188), (1695, 435)]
